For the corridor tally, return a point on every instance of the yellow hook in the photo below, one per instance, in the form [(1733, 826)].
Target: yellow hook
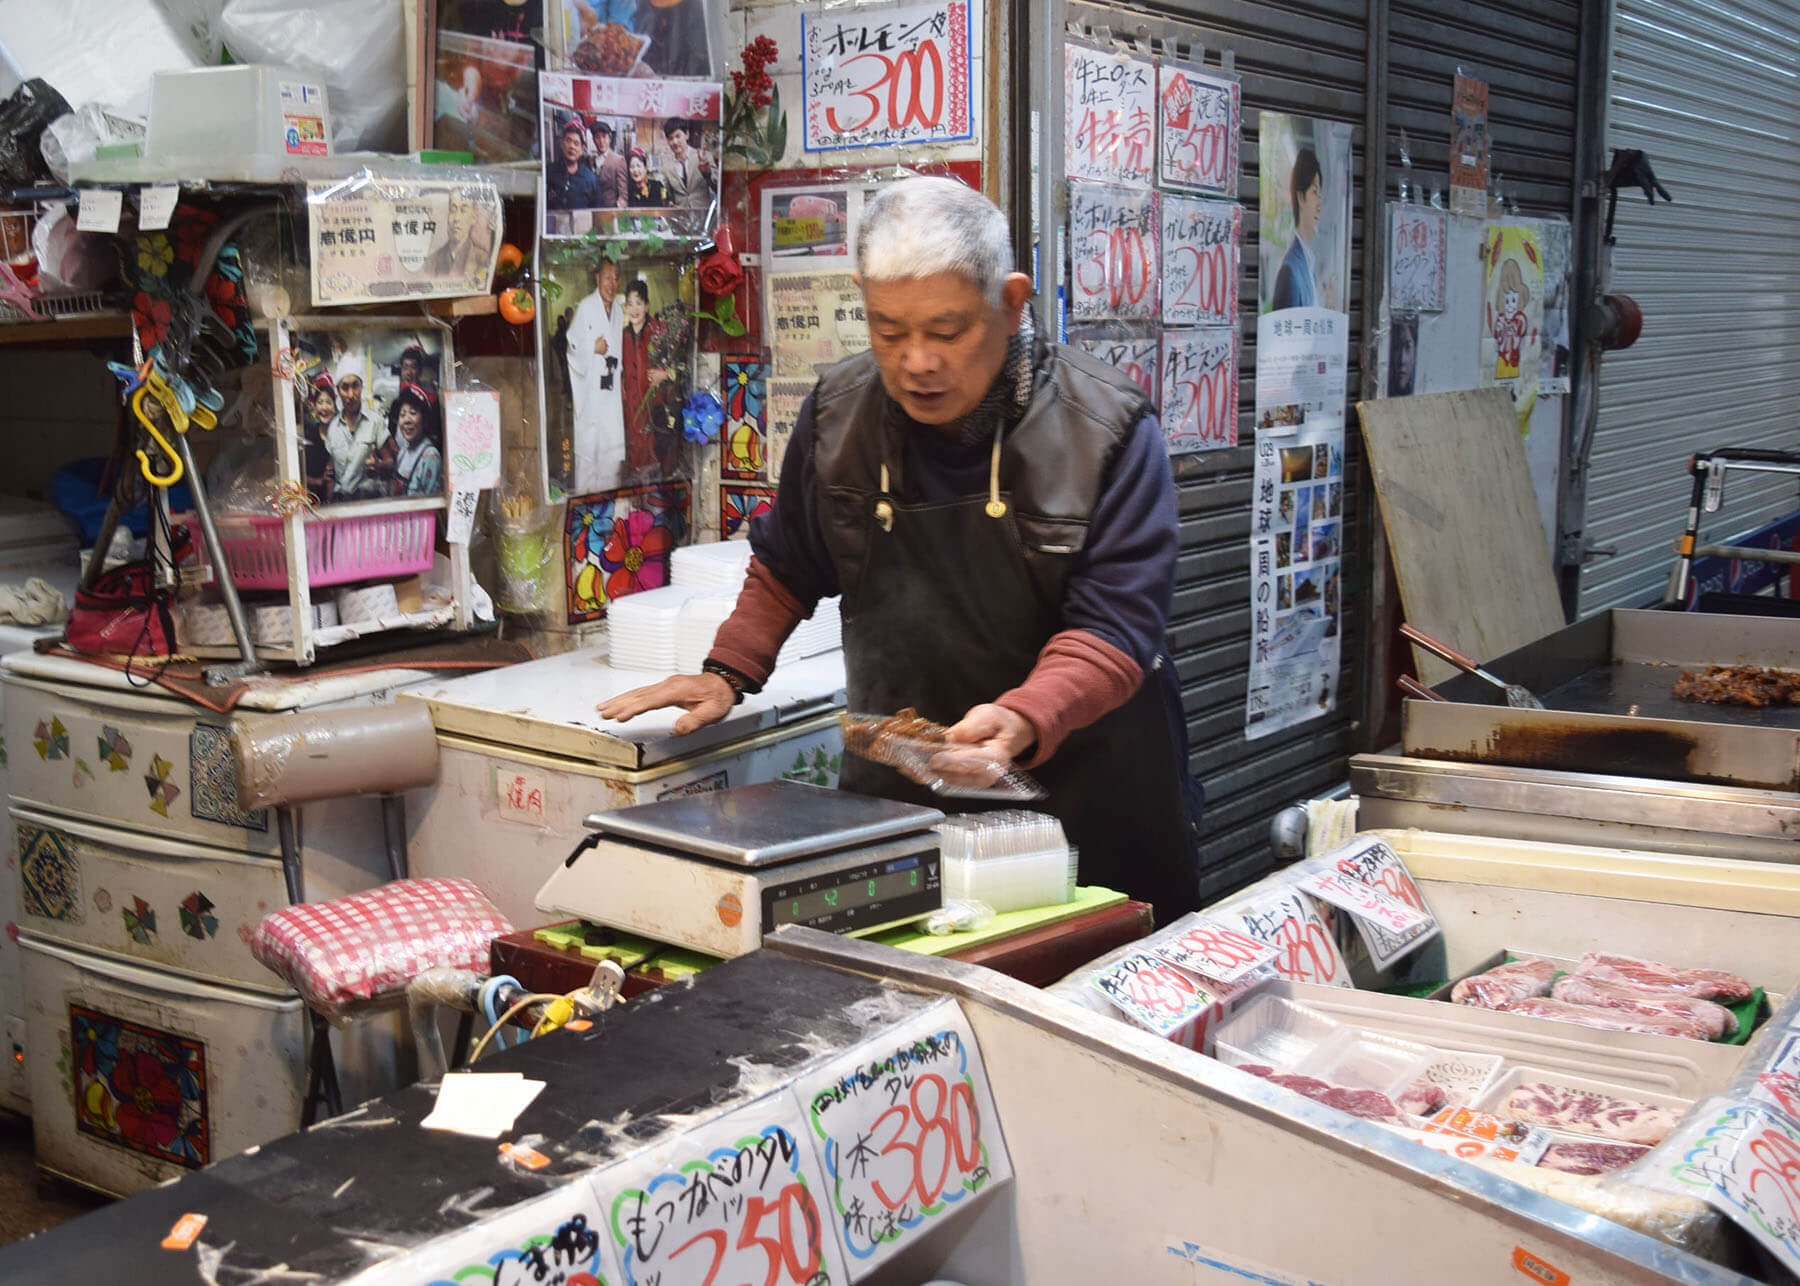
[(144, 418)]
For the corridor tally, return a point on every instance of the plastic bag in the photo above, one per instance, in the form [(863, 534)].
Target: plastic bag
[(77, 135), (527, 540), (915, 748), (357, 48), (369, 944), (68, 260)]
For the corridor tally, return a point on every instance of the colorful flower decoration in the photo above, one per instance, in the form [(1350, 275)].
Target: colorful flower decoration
[(197, 918), (152, 318), (738, 505), (702, 417), (139, 1088), (51, 740), (745, 382), (636, 555), (589, 527), (154, 254), (140, 921), (115, 750), (148, 1101), (162, 791)]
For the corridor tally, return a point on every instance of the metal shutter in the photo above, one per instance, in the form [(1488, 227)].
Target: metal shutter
[(1711, 92)]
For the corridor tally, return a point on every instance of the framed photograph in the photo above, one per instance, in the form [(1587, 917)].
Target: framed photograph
[(617, 339), (380, 240), (642, 38), (625, 158), (486, 98), (368, 409)]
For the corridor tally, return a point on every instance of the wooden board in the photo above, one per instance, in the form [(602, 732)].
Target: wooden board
[(1462, 520)]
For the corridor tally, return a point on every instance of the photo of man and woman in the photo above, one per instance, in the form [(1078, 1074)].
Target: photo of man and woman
[(620, 343), (645, 146), (370, 409)]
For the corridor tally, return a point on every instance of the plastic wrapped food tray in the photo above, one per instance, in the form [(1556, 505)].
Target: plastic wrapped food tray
[(1362, 1060), (1275, 1033), (908, 744)]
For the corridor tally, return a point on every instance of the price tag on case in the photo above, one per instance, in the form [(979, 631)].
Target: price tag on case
[(156, 206), (1373, 863), (1217, 951), (739, 1199), (1289, 921), (1153, 993), (99, 210), (906, 1131)]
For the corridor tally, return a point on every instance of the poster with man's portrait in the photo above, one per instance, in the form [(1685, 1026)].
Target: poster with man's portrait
[(617, 338), (618, 152), (376, 239), (369, 404)]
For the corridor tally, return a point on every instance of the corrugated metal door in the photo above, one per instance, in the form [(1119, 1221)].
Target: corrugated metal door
[(1712, 93)]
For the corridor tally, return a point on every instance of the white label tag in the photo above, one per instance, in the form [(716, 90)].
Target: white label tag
[(100, 210), (462, 516), (156, 206)]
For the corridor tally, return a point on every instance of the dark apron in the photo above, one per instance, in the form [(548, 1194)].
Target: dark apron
[(947, 614)]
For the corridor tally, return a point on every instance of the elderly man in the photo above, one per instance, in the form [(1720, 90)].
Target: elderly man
[(595, 386), (998, 514), (352, 438)]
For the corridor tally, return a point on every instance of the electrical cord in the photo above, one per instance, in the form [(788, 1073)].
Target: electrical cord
[(535, 998)]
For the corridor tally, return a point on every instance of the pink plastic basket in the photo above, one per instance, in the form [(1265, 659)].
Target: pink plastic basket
[(337, 549)]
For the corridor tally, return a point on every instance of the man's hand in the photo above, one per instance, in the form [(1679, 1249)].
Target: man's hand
[(707, 698), (600, 346), (987, 740)]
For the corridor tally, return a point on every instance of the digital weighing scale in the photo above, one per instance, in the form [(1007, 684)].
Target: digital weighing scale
[(715, 872)]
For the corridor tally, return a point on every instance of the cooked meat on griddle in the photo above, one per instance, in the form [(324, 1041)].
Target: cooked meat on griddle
[(872, 737), (1740, 685)]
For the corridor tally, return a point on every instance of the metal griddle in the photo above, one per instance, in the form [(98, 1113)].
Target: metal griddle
[(1606, 683)]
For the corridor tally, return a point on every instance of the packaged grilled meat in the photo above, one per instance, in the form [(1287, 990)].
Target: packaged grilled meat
[(1580, 989), (1653, 975), (1500, 986), (1604, 1019), (1590, 1158), (1575, 1111), (921, 751)]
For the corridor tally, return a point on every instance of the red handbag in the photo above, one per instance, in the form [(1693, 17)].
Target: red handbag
[(124, 615)]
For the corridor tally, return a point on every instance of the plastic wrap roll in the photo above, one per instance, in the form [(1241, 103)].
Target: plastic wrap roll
[(365, 750)]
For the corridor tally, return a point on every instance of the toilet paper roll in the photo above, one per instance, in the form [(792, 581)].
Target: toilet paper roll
[(369, 603), (364, 750), (274, 622)]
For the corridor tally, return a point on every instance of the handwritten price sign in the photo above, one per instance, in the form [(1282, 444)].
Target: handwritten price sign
[(1363, 902), (883, 77), (1198, 121), (1200, 388), (1374, 864), (1200, 258), (1746, 1163), (1217, 952), (1288, 920), (1134, 358), (906, 1129), (1153, 993), (1109, 115), (1416, 258), (739, 1200), (556, 1240), (1112, 253)]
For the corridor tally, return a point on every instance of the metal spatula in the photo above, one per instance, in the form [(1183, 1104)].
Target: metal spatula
[(1517, 696)]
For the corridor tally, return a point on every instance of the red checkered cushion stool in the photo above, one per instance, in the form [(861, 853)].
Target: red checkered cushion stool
[(348, 954)]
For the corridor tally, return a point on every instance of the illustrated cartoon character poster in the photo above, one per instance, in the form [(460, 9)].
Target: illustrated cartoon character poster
[(1512, 335)]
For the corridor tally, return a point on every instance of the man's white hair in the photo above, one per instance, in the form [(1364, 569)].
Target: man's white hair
[(923, 226)]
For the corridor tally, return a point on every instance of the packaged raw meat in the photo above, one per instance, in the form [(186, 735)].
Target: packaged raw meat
[(1422, 1098), (1712, 1018), (1368, 1104), (1653, 975), (1604, 1019), (1574, 1111), (1590, 1158), (1500, 986)]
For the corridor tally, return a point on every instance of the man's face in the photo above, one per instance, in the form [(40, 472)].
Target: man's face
[(571, 147), (1312, 204), (606, 281), (678, 142), (602, 142), (409, 370), (939, 343), (350, 395)]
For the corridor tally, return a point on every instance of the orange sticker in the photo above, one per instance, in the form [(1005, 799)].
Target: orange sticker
[(184, 1233), (530, 1158), (731, 911), (578, 1024), (1537, 1269)]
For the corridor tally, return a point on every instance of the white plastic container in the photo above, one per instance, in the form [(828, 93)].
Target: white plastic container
[(1361, 1060), (237, 1061), (1013, 860), (254, 109), (1494, 1099), (1272, 1032)]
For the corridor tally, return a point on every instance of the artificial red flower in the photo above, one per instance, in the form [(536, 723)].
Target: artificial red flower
[(149, 1102), (720, 272), (636, 554)]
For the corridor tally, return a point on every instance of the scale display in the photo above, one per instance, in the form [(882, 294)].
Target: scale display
[(855, 899)]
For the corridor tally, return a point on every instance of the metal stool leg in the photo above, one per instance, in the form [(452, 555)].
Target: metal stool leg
[(321, 1067), (393, 831)]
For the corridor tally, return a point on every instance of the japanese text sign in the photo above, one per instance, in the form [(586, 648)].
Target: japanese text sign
[(1200, 258), (1198, 118), (1288, 920), (1416, 258), (883, 77), (1200, 388), (1152, 993), (1373, 863), (1217, 952), (1109, 106), (1112, 252)]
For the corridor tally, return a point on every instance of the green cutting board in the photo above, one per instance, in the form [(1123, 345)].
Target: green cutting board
[(1006, 924)]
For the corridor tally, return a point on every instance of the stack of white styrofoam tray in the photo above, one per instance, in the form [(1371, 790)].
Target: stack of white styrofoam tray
[(822, 632), (644, 628), (1657, 1064), (716, 568), (701, 617)]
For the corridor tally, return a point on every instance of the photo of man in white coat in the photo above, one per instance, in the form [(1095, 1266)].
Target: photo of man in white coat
[(595, 384)]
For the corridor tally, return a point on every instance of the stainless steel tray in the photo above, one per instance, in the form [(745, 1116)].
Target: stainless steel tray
[(1606, 684)]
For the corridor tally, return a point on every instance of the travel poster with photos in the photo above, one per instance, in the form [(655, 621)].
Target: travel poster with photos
[(620, 152), (1296, 555), (368, 403), (617, 338)]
